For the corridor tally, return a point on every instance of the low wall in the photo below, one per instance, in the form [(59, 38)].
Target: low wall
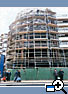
[(39, 74)]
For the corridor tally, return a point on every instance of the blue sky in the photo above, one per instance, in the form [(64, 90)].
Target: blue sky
[(8, 15)]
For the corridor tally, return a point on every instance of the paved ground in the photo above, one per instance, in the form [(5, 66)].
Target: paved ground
[(30, 83)]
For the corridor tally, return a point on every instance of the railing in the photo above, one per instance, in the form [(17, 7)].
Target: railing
[(37, 45)]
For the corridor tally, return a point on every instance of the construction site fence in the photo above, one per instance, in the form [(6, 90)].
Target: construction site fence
[(39, 73)]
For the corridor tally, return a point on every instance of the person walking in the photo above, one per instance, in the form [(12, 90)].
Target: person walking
[(8, 75), (19, 76), (4, 75), (15, 75), (61, 74), (55, 74)]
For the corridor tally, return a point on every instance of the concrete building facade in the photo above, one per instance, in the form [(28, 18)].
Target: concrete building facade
[(3, 43), (62, 22)]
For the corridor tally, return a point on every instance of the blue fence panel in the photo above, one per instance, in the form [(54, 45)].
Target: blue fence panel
[(2, 64)]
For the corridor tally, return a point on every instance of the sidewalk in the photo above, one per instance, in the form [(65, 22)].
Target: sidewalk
[(34, 81), (29, 83)]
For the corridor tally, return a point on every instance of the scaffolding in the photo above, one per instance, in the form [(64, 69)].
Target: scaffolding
[(33, 41)]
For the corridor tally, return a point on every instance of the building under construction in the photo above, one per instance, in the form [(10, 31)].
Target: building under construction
[(62, 22), (33, 41)]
